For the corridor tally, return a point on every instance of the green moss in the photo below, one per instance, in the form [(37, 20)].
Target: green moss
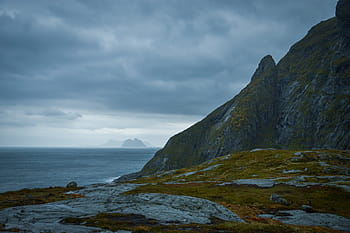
[(249, 201), (243, 165), (321, 198), (35, 196), (115, 221)]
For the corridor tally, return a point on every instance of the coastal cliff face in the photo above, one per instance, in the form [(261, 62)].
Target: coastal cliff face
[(301, 102)]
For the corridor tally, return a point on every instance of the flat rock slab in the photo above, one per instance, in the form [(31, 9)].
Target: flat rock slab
[(103, 198), (300, 217), (297, 181), (263, 183), (172, 208)]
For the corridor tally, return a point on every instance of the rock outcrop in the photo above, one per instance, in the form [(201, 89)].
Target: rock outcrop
[(301, 102), (72, 184), (301, 217), (278, 199), (102, 198)]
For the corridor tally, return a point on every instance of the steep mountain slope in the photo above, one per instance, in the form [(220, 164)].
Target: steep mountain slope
[(302, 102)]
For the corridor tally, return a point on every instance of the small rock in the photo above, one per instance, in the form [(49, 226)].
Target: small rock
[(278, 199), (72, 184), (290, 171), (307, 208), (300, 157)]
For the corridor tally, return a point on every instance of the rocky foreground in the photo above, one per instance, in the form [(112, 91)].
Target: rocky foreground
[(253, 191), (106, 198)]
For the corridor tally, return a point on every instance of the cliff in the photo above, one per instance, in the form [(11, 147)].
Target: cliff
[(300, 103)]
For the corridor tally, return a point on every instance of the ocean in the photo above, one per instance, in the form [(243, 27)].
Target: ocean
[(44, 167)]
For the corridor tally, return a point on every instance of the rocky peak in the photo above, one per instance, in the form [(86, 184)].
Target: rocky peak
[(343, 17), (301, 103), (267, 62), (266, 66)]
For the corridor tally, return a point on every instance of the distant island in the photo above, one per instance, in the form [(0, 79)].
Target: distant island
[(128, 143), (133, 143)]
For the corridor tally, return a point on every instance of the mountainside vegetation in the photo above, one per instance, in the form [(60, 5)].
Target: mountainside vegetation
[(300, 103)]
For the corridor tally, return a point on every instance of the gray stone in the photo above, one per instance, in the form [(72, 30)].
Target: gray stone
[(72, 184), (106, 198), (163, 208), (300, 217), (186, 174), (211, 167), (278, 199), (307, 208), (290, 171), (297, 181), (203, 170), (263, 183), (262, 149), (300, 156)]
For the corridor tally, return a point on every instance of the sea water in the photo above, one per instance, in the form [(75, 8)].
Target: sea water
[(44, 167)]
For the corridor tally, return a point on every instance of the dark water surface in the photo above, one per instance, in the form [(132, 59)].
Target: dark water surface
[(44, 167)]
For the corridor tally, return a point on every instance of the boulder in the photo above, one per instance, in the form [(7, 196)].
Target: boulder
[(278, 199), (72, 184), (307, 208)]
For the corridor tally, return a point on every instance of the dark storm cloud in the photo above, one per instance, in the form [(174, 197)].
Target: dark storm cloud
[(171, 57)]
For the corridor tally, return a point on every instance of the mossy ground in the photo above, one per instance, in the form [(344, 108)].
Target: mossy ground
[(248, 201), (242, 199), (35, 196), (258, 164)]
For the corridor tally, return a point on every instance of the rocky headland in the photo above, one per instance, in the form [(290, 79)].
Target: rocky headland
[(209, 178), (302, 102)]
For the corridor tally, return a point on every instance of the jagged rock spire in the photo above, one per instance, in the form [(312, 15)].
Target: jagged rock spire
[(266, 65)]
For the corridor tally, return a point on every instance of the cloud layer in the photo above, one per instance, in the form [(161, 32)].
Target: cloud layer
[(70, 60)]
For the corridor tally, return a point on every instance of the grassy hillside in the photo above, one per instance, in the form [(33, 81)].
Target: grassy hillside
[(221, 180), (317, 181)]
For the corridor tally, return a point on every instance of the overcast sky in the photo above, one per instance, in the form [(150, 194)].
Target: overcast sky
[(82, 72)]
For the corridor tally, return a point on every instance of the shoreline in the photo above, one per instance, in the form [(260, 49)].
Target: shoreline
[(41, 168), (299, 191)]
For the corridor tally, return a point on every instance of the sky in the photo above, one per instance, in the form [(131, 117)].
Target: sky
[(83, 72)]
